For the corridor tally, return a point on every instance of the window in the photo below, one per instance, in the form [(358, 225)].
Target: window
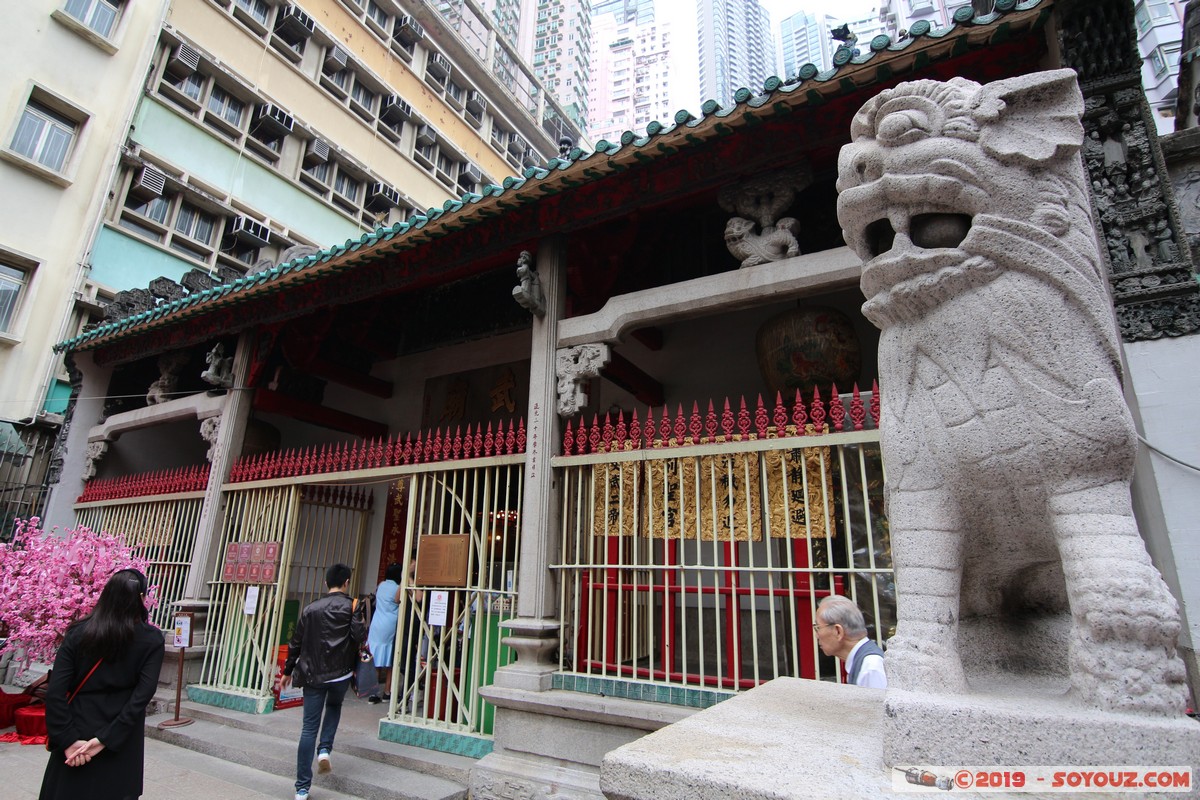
[(190, 85), (44, 136), (155, 208), (255, 8), (1151, 12), (99, 15), (347, 186), (195, 223), (226, 106), (377, 14), (362, 95), (319, 172), (13, 280)]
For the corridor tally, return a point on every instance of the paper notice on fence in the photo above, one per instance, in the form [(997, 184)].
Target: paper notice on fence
[(251, 600), (439, 603)]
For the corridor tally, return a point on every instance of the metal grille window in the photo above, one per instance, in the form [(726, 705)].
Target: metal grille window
[(699, 560), (255, 8)]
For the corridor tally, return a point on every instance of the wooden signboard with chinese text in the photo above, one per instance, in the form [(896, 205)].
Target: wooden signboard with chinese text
[(442, 560)]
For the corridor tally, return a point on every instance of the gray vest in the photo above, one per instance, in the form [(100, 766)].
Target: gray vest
[(869, 648)]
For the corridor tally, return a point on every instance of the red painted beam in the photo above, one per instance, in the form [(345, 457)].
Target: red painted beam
[(627, 375), (349, 377), (272, 402)]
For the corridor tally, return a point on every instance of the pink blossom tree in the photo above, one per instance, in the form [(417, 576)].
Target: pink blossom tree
[(48, 581)]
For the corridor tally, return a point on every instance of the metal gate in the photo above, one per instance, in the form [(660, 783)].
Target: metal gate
[(448, 640), (291, 534)]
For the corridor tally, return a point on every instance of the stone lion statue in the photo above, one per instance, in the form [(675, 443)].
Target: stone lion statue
[(1006, 439)]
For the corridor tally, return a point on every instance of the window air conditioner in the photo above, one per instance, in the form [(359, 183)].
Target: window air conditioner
[(184, 60), (381, 196), (272, 121), (439, 66), (294, 24), (394, 110), (426, 135), (336, 59), (408, 30), (476, 102), (250, 231), (316, 152), (148, 183)]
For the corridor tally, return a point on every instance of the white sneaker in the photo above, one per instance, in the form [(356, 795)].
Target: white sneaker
[(302, 794), (324, 764)]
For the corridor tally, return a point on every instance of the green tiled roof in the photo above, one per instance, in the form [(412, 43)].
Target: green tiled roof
[(881, 60)]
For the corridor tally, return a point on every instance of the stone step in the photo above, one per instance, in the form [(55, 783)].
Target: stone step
[(359, 769)]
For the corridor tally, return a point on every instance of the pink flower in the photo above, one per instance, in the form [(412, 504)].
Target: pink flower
[(47, 581)]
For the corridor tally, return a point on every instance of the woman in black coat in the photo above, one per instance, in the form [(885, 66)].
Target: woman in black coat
[(97, 741)]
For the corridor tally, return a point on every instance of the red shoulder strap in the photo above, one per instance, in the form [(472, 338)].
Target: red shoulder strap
[(71, 696)]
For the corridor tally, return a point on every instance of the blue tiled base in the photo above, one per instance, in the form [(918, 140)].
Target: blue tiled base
[(463, 744), (632, 690), (223, 698)]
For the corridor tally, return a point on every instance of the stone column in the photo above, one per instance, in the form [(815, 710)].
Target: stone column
[(225, 450), (89, 386), (534, 631)]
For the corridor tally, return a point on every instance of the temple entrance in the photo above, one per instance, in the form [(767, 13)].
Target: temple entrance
[(275, 545), (463, 533)]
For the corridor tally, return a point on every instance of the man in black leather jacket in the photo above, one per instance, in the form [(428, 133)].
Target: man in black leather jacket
[(321, 659)]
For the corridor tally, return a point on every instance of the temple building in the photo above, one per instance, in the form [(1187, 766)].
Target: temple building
[(620, 409)]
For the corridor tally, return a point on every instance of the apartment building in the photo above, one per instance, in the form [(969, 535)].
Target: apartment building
[(632, 72), (561, 53), (1159, 28), (736, 47), (804, 39), (231, 132), (64, 109)]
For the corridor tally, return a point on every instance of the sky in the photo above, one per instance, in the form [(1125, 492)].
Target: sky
[(683, 15)]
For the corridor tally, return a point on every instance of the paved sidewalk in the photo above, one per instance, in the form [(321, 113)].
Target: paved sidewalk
[(172, 773)]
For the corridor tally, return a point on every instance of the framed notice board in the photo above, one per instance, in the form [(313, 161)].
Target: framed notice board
[(442, 559)]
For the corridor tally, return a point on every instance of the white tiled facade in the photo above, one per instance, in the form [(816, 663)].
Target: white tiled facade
[(632, 75)]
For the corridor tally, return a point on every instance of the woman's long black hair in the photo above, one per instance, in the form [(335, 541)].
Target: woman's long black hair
[(121, 609)]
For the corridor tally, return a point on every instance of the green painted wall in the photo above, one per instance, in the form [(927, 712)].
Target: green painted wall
[(56, 397), (203, 154), (123, 262)]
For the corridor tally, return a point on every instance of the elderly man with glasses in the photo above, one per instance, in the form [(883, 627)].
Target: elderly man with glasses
[(842, 632)]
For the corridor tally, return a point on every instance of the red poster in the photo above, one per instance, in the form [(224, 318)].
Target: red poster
[(395, 521), (256, 573), (231, 553), (244, 551), (268, 573), (292, 696), (258, 552), (243, 572), (229, 574), (271, 555)]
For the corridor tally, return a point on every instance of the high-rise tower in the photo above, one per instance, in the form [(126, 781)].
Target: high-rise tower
[(736, 47)]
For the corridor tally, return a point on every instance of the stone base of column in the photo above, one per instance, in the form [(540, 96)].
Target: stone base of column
[(535, 641)]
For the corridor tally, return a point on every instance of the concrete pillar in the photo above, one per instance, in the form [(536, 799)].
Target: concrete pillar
[(534, 631), (86, 409), (234, 416)]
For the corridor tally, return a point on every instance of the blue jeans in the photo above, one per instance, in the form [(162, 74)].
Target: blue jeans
[(325, 697)]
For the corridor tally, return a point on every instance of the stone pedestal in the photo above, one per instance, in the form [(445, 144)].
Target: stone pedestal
[(788, 738), (1009, 727), (549, 744)]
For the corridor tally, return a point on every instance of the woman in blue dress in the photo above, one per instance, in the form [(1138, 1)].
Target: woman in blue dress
[(382, 636)]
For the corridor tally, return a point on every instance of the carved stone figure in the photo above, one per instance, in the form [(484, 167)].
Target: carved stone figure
[(210, 428), (528, 293), (220, 367), (170, 365), (91, 457), (760, 201), (573, 365), (1008, 445)]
